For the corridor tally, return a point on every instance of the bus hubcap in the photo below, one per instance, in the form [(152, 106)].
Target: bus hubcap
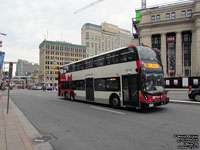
[(115, 101)]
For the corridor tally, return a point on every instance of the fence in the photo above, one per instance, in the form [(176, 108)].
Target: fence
[(182, 82)]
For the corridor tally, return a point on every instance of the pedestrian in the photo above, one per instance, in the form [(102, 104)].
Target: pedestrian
[(43, 87)]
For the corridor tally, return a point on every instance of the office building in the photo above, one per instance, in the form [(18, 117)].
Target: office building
[(103, 38), (55, 53), (24, 68)]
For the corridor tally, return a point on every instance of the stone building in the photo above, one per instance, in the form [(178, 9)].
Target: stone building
[(175, 30)]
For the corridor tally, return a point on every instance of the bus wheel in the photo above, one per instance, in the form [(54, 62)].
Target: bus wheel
[(66, 96), (72, 96), (114, 101)]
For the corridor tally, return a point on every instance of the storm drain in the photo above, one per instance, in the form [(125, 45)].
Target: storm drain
[(41, 139)]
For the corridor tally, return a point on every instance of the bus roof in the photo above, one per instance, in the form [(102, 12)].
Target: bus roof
[(131, 45)]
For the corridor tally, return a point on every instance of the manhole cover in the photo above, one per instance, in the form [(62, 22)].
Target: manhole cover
[(41, 139)]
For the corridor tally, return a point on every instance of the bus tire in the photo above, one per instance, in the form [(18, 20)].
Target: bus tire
[(114, 101), (66, 96), (72, 97)]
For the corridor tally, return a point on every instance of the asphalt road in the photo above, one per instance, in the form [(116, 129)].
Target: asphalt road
[(86, 126)]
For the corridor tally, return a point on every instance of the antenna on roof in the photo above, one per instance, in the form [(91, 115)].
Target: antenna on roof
[(143, 4)]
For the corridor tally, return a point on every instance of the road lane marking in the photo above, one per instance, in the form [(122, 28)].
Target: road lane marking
[(117, 112), (180, 101)]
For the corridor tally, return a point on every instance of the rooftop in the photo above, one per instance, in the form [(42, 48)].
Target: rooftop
[(61, 43), (169, 4)]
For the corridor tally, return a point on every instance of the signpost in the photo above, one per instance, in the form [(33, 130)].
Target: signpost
[(10, 76)]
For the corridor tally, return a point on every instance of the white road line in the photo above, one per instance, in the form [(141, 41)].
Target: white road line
[(180, 101), (117, 112)]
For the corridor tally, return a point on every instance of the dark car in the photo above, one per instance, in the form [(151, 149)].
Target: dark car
[(194, 94)]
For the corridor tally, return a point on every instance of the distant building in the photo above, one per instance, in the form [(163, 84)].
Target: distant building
[(24, 68), (105, 37), (56, 54), (174, 29)]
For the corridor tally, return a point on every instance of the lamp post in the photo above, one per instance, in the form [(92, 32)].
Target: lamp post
[(0, 36)]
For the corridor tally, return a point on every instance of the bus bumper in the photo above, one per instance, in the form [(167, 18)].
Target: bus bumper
[(155, 103)]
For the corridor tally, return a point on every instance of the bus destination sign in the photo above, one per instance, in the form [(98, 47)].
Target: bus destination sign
[(150, 65)]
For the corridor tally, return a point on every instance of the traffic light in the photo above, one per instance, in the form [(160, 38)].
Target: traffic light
[(54, 68)]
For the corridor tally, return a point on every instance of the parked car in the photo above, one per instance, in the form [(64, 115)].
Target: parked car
[(49, 88), (194, 94)]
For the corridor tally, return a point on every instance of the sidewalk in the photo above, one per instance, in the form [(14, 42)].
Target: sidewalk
[(16, 131), (12, 134)]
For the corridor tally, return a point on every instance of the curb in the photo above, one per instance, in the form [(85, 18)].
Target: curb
[(176, 89), (184, 102), (30, 130)]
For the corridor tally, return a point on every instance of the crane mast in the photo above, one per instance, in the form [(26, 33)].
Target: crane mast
[(87, 6)]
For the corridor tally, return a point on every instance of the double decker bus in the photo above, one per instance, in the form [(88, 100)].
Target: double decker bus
[(131, 76)]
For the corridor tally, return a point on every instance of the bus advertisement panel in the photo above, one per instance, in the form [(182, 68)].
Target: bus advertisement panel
[(127, 77)]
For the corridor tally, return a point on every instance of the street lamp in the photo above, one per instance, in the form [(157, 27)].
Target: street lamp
[(3, 35)]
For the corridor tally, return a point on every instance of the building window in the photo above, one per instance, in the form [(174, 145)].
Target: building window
[(153, 18), (87, 35), (158, 17), (167, 16), (173, 15), (156, 41), (183, 14), (189, 13)]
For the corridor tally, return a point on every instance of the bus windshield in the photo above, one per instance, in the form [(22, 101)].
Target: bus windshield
[(146, 53), (153, 82)]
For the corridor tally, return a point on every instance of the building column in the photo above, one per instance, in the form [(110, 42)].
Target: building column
[(194, 54), (164, 53), (179, 55)]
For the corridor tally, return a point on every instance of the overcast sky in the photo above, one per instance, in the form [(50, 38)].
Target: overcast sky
[(26, 22)]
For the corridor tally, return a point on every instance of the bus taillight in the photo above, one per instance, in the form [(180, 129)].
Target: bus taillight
[(131, 45), (139, 64)]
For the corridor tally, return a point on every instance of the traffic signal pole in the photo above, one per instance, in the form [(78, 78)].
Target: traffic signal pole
[(10, 76)]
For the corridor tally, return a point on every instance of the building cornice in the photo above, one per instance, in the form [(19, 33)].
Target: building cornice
[(58, 43), (166, 22)]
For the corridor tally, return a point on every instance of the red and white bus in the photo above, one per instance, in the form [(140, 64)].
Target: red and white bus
[(131, 76)]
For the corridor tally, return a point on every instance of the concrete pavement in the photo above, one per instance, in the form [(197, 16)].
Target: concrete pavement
[(12, 134), (16, 132)]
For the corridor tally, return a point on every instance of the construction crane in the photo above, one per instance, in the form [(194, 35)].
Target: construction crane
[(87, 6)]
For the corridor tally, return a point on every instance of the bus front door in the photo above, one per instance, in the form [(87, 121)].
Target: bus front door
[(130, 86), (89, 89)]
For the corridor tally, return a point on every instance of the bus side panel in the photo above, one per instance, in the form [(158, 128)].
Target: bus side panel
[(80, 95), (103, 97)]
